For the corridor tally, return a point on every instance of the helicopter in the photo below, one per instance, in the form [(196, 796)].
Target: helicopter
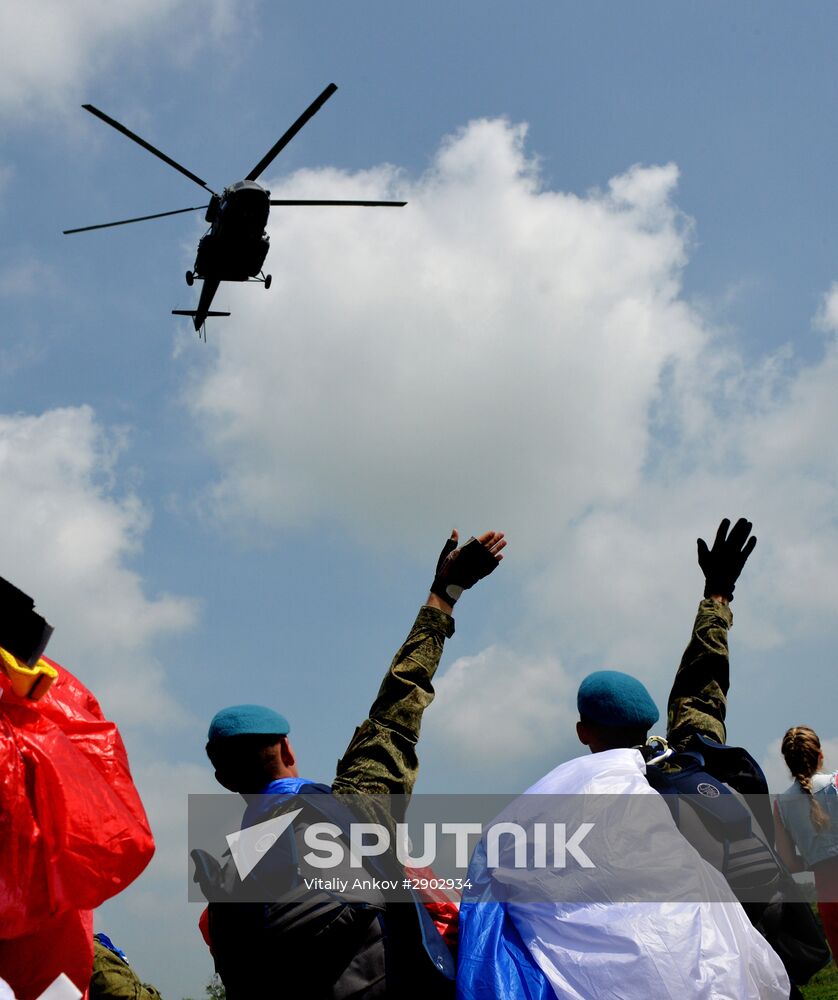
[(236, 244)]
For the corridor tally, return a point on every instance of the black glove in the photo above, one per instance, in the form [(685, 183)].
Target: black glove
[(459, 569), (723, 563)]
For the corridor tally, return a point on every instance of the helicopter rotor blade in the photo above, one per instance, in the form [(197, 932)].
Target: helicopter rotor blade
[(363, 204), (146, 145), (140, 218), (283, 141)]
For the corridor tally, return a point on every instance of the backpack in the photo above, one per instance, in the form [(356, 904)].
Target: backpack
[(718, 797), (332, 946)]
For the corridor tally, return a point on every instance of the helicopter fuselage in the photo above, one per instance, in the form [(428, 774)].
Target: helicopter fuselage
[(236, 245)]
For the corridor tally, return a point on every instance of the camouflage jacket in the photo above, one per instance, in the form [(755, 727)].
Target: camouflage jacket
[(114, 979), (381, 757), (698, 699)]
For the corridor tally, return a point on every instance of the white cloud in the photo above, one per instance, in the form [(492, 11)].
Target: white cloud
[(498, 713), (165, 787), (493, 354), (827, 318), (50, 51), (766, 452), (66, 537), (497, 354), (469, 355), (26, 277)]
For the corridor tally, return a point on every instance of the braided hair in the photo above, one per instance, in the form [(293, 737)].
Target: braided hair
[(801, 749)]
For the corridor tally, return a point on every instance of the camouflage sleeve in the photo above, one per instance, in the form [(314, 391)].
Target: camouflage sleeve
[(698, 699), (381, 758), (113, 979)]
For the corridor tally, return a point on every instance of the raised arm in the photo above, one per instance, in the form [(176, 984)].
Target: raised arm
[(698, 699), (381, 758)]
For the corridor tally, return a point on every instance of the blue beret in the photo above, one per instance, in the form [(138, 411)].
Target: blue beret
[(613, 698), (247, 720)]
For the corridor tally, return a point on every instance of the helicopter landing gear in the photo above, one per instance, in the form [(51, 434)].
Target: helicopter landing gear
[(268, 280), (190, 278)]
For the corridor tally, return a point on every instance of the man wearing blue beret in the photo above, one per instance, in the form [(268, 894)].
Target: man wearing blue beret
[(616, 710), (556, 948), (329, 946)]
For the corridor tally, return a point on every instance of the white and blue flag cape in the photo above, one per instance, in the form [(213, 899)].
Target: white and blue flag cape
[(570, 933)]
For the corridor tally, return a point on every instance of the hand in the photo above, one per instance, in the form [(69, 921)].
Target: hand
[(723, 563), (460, 568)]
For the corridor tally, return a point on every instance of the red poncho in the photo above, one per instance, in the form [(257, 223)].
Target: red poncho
[(72, 828)]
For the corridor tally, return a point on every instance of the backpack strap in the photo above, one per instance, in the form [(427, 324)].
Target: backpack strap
[(738, 769)]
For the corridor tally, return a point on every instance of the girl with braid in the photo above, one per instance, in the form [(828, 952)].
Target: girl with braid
[(806, 823)]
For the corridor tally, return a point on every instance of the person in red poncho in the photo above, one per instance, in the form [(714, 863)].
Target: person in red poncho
[(73, 828)]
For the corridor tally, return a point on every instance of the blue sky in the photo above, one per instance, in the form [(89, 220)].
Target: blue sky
[(606, 319)]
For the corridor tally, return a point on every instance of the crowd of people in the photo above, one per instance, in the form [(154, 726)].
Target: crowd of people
[(733, 925)]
